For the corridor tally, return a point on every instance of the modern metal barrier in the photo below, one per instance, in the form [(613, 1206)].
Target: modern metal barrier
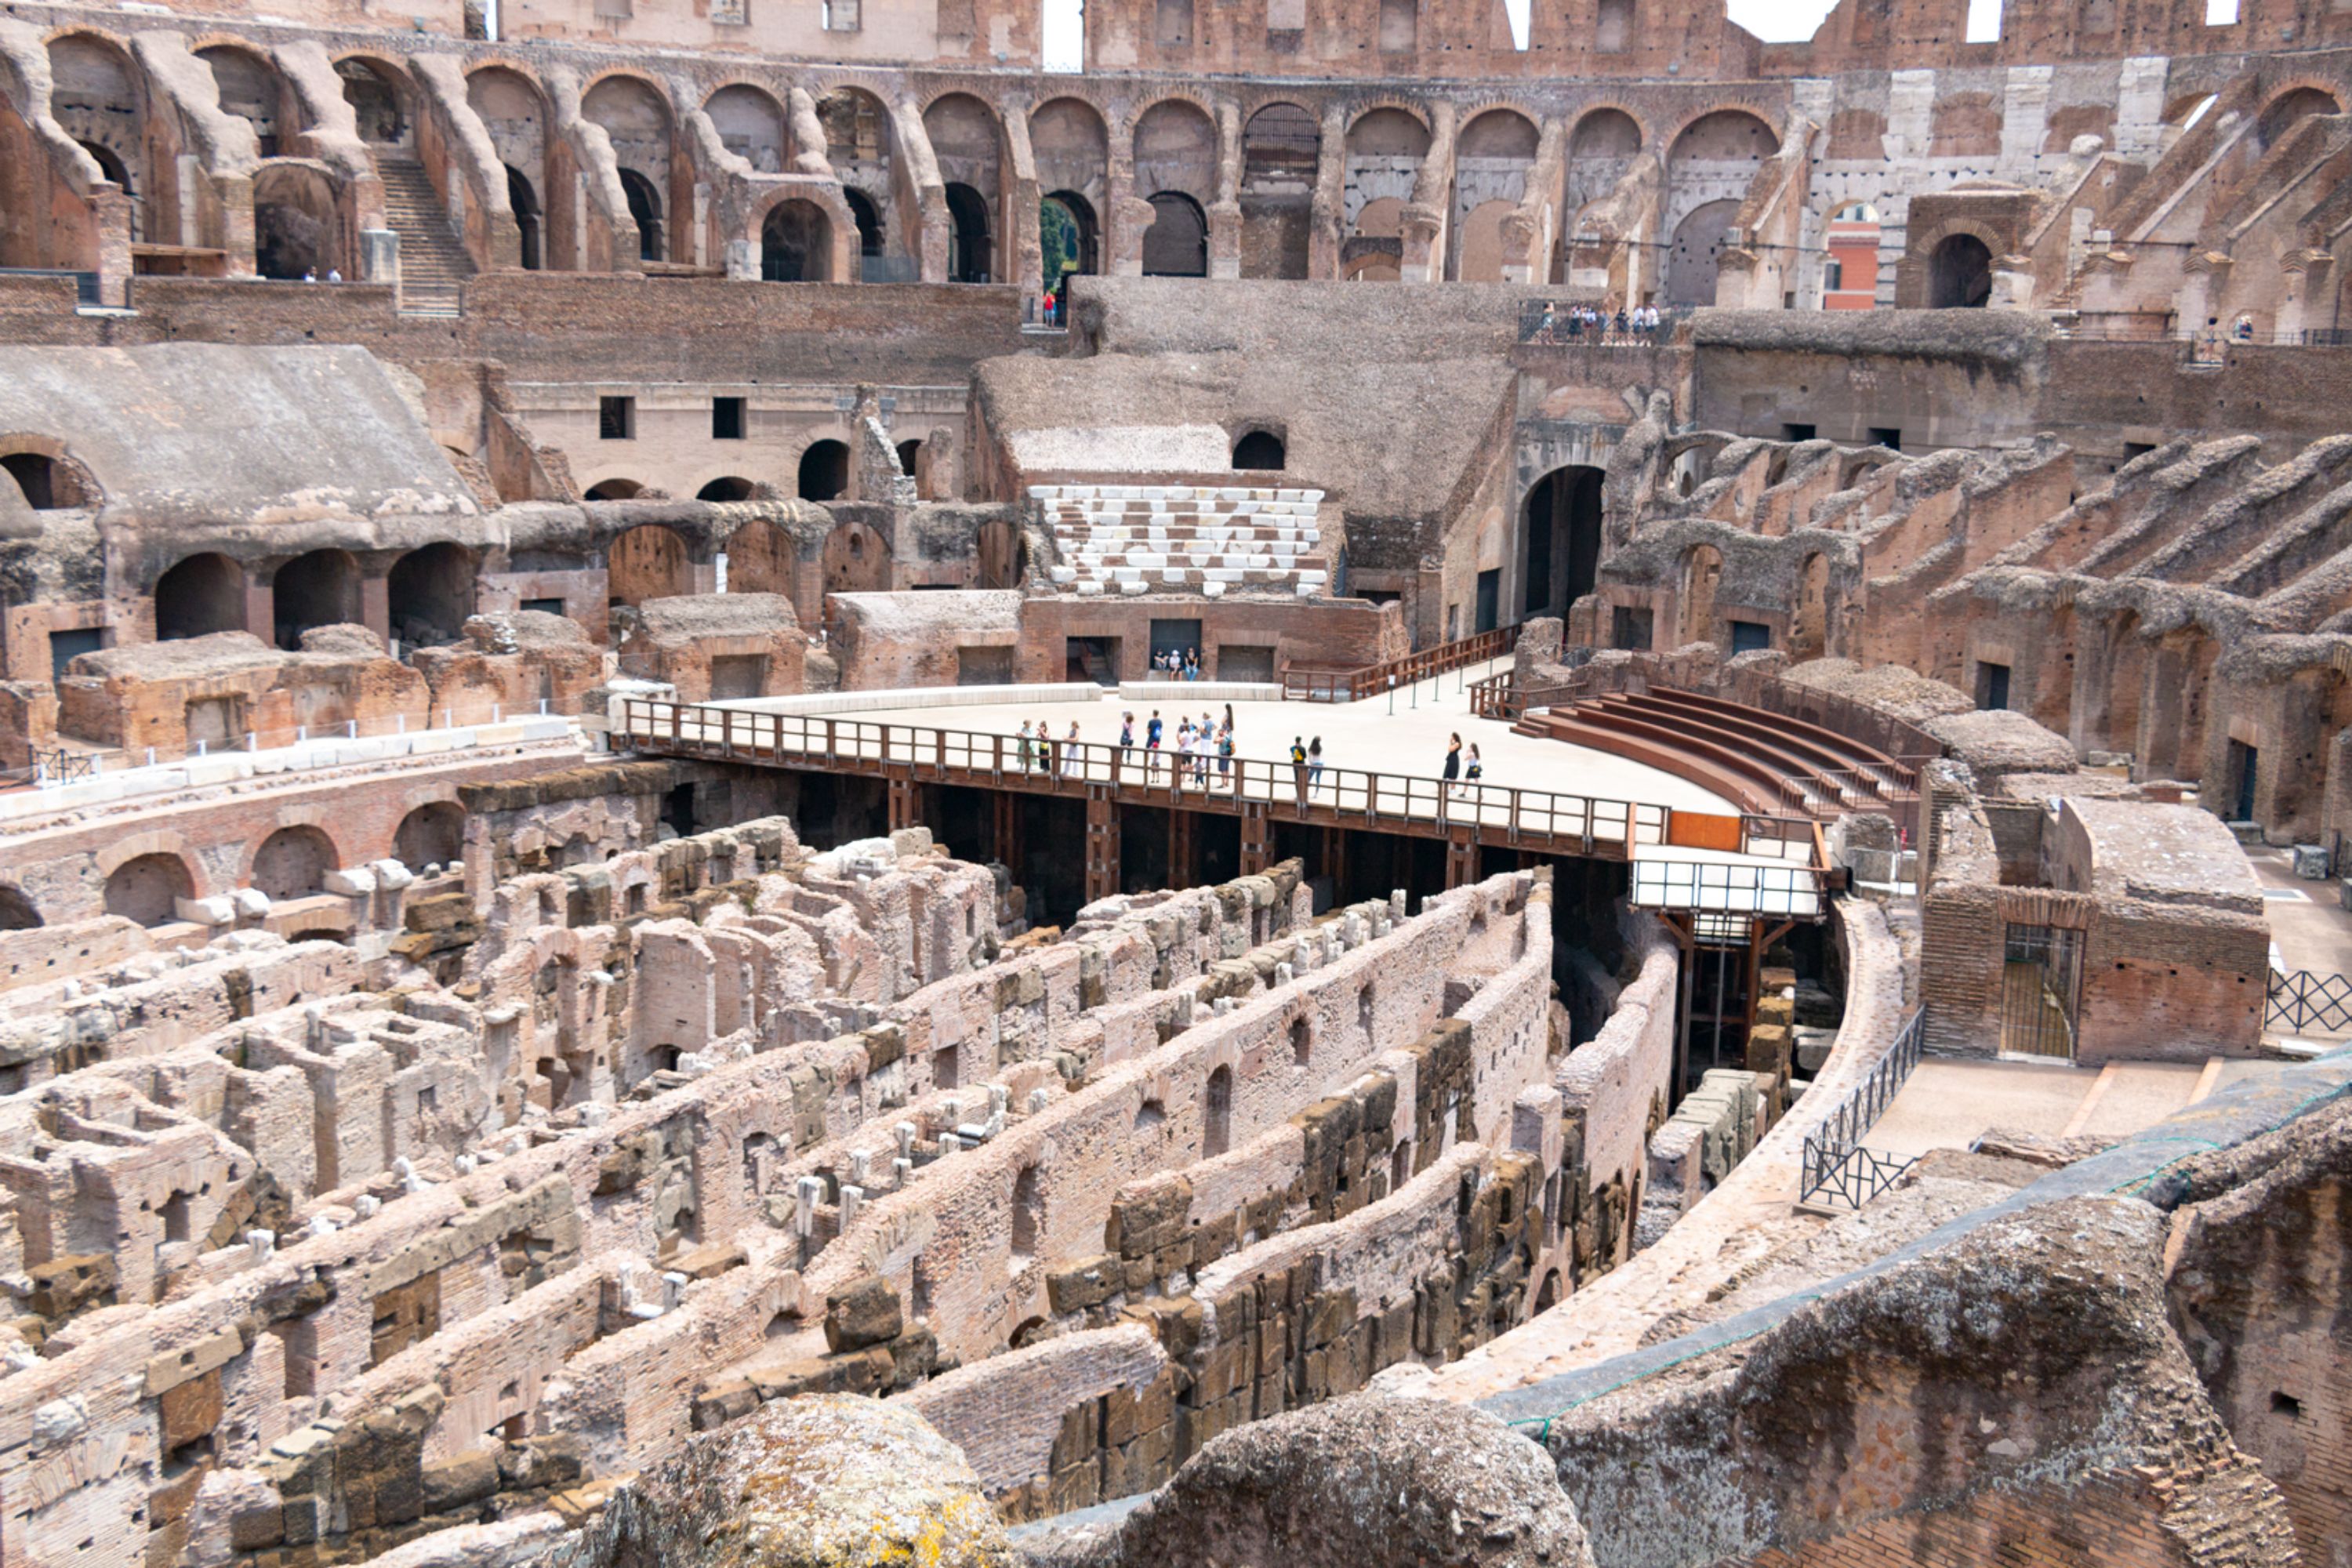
[(1837, 1168)]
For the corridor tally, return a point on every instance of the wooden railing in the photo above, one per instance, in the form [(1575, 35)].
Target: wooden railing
[(1332, 683)]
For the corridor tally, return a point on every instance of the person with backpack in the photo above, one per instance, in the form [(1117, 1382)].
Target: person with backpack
[(1151, 748), (1298, 767)]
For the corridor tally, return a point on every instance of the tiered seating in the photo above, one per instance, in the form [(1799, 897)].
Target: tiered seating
[(1207, 539), (1762, 761)]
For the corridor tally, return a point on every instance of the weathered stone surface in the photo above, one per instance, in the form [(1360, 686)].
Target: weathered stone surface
[(829, 1481)]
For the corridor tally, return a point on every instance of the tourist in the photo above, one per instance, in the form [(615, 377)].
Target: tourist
[(1044, 748), (1026, 746), (1070, 768), (1225, 755), (1452, 762), (1126, 736), (1192, 664), (1298, 767), (311, 275), (1152, 747), (1470, 771), (334, 275), (1183, 752), (1315, 764)]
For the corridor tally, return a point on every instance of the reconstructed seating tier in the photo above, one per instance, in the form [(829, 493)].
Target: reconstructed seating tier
[(1763, 761), (1209, 539)]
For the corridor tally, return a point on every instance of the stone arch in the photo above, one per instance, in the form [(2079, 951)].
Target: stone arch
[(1175, 150), (513, 109), (751, 124), (1069, 145), (614, 490), (199, 595), (432, 835), (726, 487), (1694, 261), (1375, 252), (2289, 108), (1386, 147), (1960, 273), (96, 97), (1260, 451), (1702, 574), (298, 226), (16, 910), (648, 562), (635, 118), (247, 86), (824, 473), (1713, 158), (968, 145), (1559, 546), (430, 594), (859, 146), (147, 887), (49, 478), (316, 588), (1070, 238), (379, 94), (293, 862), (1281, 147), (856, 560), (761, 559), (868, 219), (1177, 243), (1493, 156), (797, 243), (1606, 131)]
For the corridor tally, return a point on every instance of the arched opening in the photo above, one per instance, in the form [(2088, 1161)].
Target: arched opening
[(198, 596), (48, 484), (1177, 243), (94, 95), (1495, 152), (318, 588), (856, 561), (1385, 150), (1028, 1215), (2289, 110), (1692, 265), (1808, 630), (967, 236), (825, 471), (293, 863), (730, 488), (648, 562), (796, 244), (761, 559), (1376, 252), (1302, 1042), (16, 910), (525, 203), (432, 835), (1481, 242), (1562, 524), (645, 208), (1281, 146), (431, 594), (1702, 574), (614, 490), (376, 101), (751, 124), (247, 86), (1547, 1294), (1069, 238), (111, 169), (1217, 1114), (296, 229), (862, 212), (148, 887), (1260, 451), (911, 460), (1960, 273)]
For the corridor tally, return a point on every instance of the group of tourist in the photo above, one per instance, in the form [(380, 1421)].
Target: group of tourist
[(1175, 666), (1038, 748), (1576, 323), (1194, 746)]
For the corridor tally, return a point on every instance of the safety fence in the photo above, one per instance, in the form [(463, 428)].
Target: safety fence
[(1334, 683), (1838, 1171), (2308, 1001)]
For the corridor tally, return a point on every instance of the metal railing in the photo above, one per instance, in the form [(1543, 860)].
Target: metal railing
[(1390, 801), (1334, 683), (1837, 1168), (2307, 1001)]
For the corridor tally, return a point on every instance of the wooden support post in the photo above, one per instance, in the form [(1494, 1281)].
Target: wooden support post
[(1461, 859), (906, 802), (1257, 847), (1008, 829), (1180, 847), (1102, 845)]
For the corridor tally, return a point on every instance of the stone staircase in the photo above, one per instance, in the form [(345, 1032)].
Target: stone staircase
[(1207, 539), (433, 264)]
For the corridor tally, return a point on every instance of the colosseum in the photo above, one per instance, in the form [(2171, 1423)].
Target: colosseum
[(700, 861)]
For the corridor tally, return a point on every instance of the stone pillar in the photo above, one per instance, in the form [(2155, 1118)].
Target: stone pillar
[(379, 257), (1326, 214), (1430, 212), (2306, 278), (1225, 213)]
